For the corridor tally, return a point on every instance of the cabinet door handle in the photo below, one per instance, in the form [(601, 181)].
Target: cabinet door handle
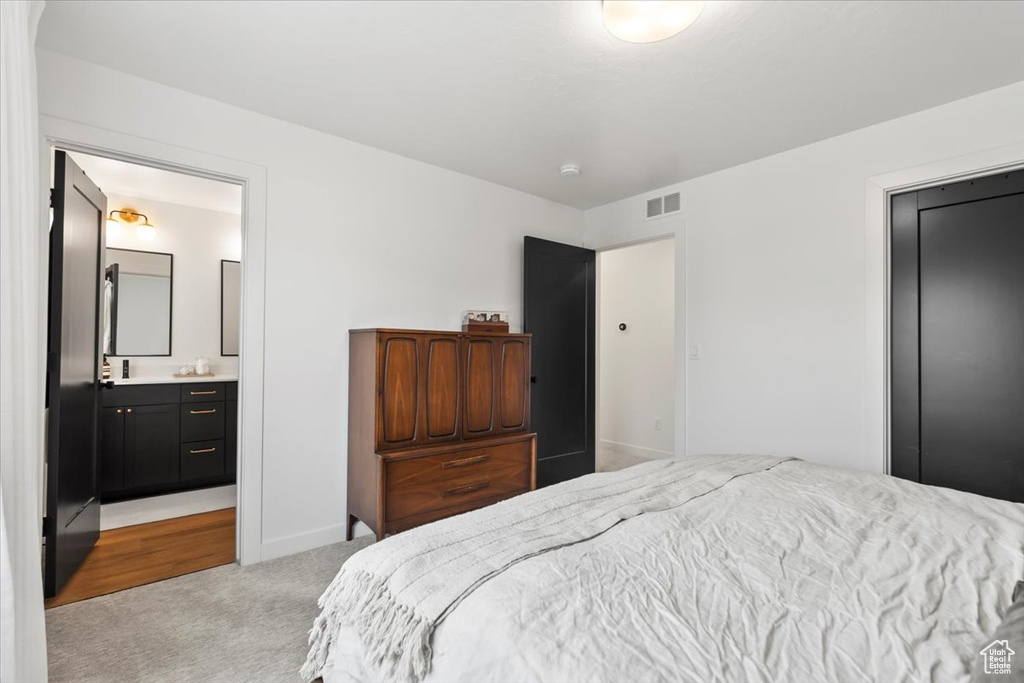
[(119, 411), (202, 412), (203, 393), (203, 450), (468, 488), (128, 411), (466, 461)]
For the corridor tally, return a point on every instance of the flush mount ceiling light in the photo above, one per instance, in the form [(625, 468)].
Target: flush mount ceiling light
[(144, 230), (648, 21)]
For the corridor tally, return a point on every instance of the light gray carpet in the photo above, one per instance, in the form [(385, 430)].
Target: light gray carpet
[(230, 623), (609, 460)]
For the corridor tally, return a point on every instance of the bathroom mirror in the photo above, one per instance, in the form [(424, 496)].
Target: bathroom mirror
[(137, 303), (230, 306)]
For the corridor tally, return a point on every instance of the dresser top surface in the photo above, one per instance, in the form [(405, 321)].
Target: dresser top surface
[(395, 330)]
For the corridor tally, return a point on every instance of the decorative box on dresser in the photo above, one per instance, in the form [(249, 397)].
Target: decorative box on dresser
[(439, 424)]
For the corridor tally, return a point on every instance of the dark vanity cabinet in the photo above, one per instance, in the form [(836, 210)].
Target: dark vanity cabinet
[(231, 433), (111, 450), (150, 433), (159, 438)]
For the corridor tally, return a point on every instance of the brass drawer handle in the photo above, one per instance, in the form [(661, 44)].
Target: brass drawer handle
[(203, 393), (466, 461), (203, 450), (202, 412), (468, 488)]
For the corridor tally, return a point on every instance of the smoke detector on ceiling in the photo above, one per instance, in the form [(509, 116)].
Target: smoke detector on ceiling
[(570, 170)]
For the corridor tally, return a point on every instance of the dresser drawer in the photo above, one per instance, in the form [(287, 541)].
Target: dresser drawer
[(202, 391), (434, 482), (202, 459), (202, 421)]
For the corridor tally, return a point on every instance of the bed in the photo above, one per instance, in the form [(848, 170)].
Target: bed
[(716, 568)]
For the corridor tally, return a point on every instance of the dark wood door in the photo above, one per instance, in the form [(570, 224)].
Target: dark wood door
[(958, 336), (72, 522), (111, 450), (512, 390), (419, 401), (441, 393), (152, 455), (559, 309), (481, 357), (398, 405)]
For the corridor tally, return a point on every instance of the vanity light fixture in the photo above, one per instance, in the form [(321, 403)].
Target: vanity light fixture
[(648, 21), (144, 230)]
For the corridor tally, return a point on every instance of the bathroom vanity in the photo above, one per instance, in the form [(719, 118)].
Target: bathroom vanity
[(160, 435)]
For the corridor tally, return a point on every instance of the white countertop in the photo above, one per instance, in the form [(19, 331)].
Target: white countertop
[(170, 379)]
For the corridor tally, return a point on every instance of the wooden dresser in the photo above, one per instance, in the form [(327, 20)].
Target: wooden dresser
[(439, 424)]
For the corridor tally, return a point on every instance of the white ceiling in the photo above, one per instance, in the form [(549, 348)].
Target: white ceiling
[(132, 180), (510, 91)]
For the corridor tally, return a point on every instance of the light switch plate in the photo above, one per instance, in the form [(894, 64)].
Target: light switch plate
[(694, 351)]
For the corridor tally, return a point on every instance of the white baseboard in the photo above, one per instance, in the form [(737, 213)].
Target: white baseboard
[(289, 545), (638, 451)]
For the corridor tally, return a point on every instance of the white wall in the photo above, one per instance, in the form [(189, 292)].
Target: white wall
[(775, 280), (356, 237), (636, 286), (198, 239)]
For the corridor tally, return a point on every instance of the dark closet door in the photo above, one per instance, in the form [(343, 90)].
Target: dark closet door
[(958, 378), (559, 309), (72, 523)]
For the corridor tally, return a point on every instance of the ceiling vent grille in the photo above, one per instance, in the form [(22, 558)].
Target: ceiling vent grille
[(654, 207), (663, 206)]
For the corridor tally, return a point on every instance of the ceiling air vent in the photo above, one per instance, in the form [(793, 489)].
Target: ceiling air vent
[(662, 206)]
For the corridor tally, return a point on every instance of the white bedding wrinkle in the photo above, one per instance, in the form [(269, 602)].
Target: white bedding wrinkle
[(393, 594), (796, 573)]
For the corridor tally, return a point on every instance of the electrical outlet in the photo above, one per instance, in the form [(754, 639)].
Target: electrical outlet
[(657, 423)]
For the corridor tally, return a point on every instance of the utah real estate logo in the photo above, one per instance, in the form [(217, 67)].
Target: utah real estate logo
[(997, 657)]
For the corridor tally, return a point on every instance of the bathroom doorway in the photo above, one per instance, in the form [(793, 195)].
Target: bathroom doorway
[(162, 446)]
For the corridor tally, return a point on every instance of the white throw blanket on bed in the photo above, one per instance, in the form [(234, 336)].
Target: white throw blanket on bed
[(394, 593)]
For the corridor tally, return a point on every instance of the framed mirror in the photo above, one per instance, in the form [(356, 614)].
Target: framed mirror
[(137, 303), (230, 306)]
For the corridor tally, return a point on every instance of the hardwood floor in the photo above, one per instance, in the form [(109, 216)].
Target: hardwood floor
[(136, 555)]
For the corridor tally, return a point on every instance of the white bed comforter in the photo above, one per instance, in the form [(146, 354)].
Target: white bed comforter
[(798, 572)]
